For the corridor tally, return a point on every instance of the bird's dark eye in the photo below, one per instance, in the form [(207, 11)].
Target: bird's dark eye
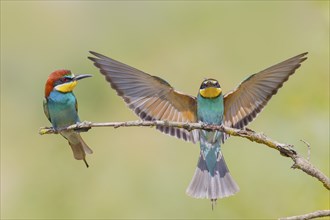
[(204, 85), (65, 79)]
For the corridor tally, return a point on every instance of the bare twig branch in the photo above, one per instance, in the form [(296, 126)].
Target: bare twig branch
[(309, 149), (285, 149), (316, 214)]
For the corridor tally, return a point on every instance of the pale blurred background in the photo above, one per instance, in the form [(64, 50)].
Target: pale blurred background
[(140, 172)]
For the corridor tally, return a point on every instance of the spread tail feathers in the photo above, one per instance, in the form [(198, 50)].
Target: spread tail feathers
[(78, 145), (205, 186)]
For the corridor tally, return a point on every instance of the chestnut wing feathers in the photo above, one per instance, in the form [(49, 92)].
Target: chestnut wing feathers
[(150, 97)]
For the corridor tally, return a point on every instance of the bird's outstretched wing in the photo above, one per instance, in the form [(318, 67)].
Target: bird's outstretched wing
[(150, 97), (243, 104)]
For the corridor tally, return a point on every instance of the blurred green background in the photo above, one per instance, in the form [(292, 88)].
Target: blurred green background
[(140, 172)]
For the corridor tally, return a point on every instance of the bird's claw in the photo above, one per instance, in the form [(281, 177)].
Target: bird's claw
[(82, 127)]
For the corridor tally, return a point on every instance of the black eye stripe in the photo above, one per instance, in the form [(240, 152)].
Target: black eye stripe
[(66, 79), (210, 83), (204, 85), (63, 80)]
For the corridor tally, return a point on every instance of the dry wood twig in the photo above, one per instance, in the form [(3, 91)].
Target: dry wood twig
[(316, 214)]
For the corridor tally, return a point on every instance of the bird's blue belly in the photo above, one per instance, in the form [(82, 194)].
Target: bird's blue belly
[(62, 109), (210, 111)]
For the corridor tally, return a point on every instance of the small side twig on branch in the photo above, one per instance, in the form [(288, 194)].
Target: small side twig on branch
[(309, 149)]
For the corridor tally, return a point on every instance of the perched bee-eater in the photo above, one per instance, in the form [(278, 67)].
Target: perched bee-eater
[(60, 107), (152, 98)]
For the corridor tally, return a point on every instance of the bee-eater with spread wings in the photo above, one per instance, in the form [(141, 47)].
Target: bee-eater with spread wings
[(152, 98)]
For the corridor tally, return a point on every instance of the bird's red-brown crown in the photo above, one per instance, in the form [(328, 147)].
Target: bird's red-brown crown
[(54, 76)]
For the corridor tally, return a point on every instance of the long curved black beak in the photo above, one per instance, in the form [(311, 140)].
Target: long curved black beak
[(82, 76)]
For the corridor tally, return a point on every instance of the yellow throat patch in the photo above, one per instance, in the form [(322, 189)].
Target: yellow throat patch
[(210, 92), (66, 87)]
